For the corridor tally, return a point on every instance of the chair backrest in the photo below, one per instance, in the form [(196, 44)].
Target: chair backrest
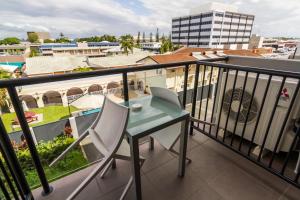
[(166, 94), (110, 125)]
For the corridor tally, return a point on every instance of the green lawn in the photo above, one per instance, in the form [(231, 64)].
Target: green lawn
[(50, 114)]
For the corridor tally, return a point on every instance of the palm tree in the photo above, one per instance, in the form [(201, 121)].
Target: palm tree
[(127, 43), (166, 45), (3, 94)]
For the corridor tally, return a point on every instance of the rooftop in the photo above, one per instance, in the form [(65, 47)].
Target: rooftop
[(12, 59)]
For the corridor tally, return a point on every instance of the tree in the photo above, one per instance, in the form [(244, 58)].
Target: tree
[(33, 53), (105, 37), (82, 69), (48, 41), (3, 94), (138, 39), (10, 41), (166, 45), (144, 37), (33, 37), (157, 36), (127, 43), (61, 35), (151, 37), (62, 40), (109, 38)]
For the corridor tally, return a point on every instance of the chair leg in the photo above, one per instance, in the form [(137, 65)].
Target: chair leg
[(104, 171), (176, 153), (298, 164), (88, 179), (151, 143), (114, 164), (125, 191)]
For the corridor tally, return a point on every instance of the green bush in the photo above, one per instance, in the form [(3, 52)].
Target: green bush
[(47, 151)]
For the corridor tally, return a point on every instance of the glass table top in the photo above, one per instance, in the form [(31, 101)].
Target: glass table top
[(154, 113)]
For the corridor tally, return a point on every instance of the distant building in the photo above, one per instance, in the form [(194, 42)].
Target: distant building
[(89, 49), (296, 54), (12, 49), (41, 35), (45, 65), (213, 25), (256, 41), (173, 77), (152, 46)]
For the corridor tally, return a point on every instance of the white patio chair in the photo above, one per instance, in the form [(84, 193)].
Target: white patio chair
[(107, 134), (169, 136)]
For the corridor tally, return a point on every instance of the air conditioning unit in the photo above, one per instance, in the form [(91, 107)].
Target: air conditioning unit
[(278, 119)]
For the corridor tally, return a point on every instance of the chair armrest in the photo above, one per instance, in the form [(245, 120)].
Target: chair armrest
[(76, 142), (201, 121)]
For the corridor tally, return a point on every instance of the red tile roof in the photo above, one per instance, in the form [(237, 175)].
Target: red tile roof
[(171, 58), (12, 59)]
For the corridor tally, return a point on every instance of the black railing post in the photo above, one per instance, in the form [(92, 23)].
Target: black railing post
[(186, 74), (16, 170), (31, 146), (194, 97), (125, 86)]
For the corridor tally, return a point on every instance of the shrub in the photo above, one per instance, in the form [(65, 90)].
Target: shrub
[(47, 151)]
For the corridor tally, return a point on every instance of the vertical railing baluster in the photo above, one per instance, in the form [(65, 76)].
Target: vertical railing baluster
[(12, 161), (215, 97), (224, 90), (185, 81), (10, 168), (194, 97), (248, 112), (4, 190), (125, 86), (228, 114), (207, 99), (201, 95), (284, 123), (31, 146), (287, 158), (239, 109), (259, 114), (271, 118), (9, 183)]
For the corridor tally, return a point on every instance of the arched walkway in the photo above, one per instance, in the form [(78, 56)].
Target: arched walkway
[(112, 85), (95, 88), (52, 98), (29, 100), (74, 91)]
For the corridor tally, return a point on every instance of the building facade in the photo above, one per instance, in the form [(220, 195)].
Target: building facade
[(90, 49), (213, 26)]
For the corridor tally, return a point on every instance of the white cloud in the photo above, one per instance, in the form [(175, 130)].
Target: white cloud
[(83, 18)]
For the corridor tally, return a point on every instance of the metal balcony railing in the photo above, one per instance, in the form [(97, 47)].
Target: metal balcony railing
[(251, 110)]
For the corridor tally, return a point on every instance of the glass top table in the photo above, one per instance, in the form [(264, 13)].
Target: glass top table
[(156, 114)]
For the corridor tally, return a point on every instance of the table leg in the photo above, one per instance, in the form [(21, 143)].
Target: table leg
[(135, 167), (183, 147)]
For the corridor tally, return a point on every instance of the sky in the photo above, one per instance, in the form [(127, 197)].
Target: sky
[(84, 18)]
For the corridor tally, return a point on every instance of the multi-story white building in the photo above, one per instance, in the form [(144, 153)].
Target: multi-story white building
[(213, 25)]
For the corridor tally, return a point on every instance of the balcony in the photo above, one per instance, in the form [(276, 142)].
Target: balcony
[(231, 160), (215, 173)]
